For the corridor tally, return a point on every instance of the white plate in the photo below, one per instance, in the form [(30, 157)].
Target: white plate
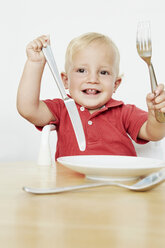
[(107, 167)]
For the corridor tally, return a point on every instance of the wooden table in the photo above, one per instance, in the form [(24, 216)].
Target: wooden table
[(91, 218)]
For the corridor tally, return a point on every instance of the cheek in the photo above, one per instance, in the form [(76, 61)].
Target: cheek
[(74, 82), (109, 86), (72, 86)]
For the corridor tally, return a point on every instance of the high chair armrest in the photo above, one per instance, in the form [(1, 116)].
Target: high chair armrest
[(153, 149), (44, 157)]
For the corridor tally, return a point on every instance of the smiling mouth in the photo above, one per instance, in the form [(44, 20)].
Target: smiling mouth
[(91, 91)]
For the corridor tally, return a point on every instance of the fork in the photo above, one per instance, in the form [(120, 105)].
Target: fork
[(144, 48)]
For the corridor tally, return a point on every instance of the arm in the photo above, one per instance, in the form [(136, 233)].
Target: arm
[(153, 130), (29, 104)]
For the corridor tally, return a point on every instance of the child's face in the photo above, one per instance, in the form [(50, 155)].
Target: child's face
[(92, 78)]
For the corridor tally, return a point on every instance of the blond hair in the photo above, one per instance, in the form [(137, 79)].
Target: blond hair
[(83, 41)]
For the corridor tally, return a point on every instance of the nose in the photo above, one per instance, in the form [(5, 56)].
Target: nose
[(93, 77)]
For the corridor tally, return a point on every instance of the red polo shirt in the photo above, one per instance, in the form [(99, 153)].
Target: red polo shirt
[(106, 130)]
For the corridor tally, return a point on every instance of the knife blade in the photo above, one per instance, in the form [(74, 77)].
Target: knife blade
[(69, 102)]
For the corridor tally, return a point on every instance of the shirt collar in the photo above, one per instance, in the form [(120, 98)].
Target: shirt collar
[(113, 103)]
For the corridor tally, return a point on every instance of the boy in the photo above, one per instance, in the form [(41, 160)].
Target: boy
[(92, 76)]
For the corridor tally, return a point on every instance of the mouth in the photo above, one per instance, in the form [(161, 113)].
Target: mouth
[(91, 92)]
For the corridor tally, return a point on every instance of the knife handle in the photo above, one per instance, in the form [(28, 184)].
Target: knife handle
[(47, 51)]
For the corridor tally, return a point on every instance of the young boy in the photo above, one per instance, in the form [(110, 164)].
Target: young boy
[(92, 76)]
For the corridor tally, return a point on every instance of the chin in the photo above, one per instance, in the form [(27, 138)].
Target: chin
[(89, 107)]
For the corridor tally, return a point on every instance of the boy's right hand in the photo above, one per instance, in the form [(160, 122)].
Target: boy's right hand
[(34, 49)]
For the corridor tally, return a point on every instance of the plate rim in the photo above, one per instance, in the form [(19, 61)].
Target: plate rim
[(159, 161)]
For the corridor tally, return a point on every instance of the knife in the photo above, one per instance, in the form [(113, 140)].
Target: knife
[(69, 102)]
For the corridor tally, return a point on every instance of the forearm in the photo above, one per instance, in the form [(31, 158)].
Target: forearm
[(152, 130), (155, 129), (29, 88)]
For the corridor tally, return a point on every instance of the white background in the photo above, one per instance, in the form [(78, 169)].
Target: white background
[(23, 20)]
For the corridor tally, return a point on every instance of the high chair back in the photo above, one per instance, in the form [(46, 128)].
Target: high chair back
[(150, 150), (45, 156)]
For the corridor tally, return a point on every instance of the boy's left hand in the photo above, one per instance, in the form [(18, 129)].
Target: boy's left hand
[(156, 100)]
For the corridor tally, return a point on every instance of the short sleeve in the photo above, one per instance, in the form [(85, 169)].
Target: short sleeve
[(55, 106), (133, 119)]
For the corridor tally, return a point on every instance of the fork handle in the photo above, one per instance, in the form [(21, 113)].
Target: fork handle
[(153, 80), (159, 115)]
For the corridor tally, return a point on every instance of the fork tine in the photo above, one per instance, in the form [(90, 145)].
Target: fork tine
[(143, 37), (148, 35), (140, 37)]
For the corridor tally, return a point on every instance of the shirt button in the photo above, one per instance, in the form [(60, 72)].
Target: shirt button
[(90, 123), (82, 108)]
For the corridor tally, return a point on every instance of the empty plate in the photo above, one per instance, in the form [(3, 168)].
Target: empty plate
[(115, 168)]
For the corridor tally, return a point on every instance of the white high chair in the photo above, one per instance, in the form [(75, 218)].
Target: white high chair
[(150, 150), (45, 156)]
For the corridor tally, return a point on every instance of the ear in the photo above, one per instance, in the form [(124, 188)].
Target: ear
[(64, 77), (117, 83)]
